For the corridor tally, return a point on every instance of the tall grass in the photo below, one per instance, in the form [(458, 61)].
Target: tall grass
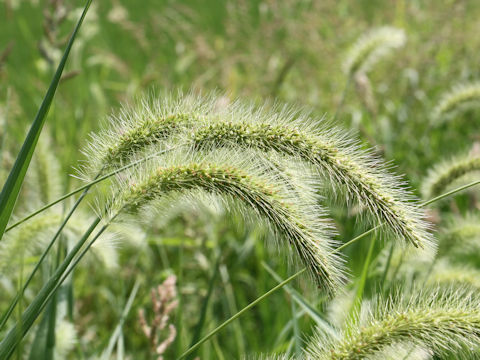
[(187, 185)]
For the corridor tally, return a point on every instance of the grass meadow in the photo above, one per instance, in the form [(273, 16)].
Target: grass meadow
[(239, 179)]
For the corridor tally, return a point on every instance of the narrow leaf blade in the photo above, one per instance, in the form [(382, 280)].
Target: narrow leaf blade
[(11, 189)]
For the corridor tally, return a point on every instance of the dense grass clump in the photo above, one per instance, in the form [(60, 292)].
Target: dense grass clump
[(350, 172), (301, 118)]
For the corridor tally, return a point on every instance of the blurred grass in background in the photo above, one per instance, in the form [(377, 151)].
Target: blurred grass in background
[(291, 51)]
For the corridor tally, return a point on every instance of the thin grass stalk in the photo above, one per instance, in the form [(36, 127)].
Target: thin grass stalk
[(85, 189), (87, 186), (203, 311), (14, 302), (446, 173), (18, 331), (240, 313), (423, 204), (11, 189), (342, 98), (116, 333)]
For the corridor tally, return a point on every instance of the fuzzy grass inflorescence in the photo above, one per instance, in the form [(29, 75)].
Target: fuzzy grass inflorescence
[(445, 273), (350, 170), (238, 178), (371, 47), (142, 124), (446, 173), (22, 245), (444, 321), (460, 97), (460, 234), (44, 182)]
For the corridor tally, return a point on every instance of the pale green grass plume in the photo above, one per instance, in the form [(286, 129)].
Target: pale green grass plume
[(204, 122), (459, 98), (28, 239), (445, 174), (349, 170), (371, 48), (403, 351), (43, 181), (405, 265), (144, 123), (447, 274), (238, 178), (26, 242), (460, 234), (443, 321)]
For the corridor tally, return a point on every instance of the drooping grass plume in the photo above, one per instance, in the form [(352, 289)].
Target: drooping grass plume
[(400, 351), (371, 48), (447, 322), (43, 181), (204, 122), (404, 265), (65, 339), (460, 234), (459, 98), (28, 239), (349, 169), (241, 181), (339, 309), (26, 242), (142, 124), (445, 273), (403, 351), (449, 172)]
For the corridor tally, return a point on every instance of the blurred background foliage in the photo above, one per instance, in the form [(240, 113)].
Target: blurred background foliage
[(290, 51)]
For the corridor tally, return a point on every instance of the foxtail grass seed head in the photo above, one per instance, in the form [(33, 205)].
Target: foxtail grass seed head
[(30, 238), (371, 47), (403, 351), (447, 173), (460, 235), (406, 264), (459, 98), (446, 274), (144, 123), (240, 178), (445, 321), (65, 338), (44, 178), (350, 171)]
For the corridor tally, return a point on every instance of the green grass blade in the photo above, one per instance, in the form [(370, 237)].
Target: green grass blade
[(296, 331), (240, 313), (238, 333), (11, 189), (38, 350), (87, 186), (18, 331), (387, 266), (6, 315), (357, 301), (203, 313), (309, 309), (107, 353)]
